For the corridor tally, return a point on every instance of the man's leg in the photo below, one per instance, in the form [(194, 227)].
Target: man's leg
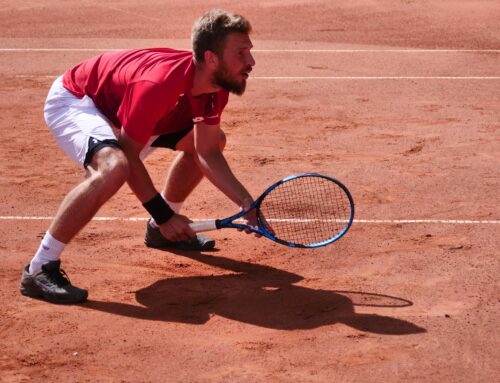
[(106, 173), (87, 137), (184, 173), (43, 278), (182, 178)]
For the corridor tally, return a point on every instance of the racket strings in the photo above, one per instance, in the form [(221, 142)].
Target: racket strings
[(306, 210)]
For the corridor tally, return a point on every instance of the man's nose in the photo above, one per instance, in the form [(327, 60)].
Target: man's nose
[(251, 60)]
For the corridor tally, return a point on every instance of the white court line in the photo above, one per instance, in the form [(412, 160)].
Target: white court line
[(58, 49), (375, 78), (367, 221), (377, 50), (270, 50), (443, 221), (296, 78)]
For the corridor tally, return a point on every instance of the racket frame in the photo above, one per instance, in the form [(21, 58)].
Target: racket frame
[(261, 229)]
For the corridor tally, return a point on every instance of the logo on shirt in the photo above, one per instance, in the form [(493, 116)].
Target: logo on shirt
[(198, 119)]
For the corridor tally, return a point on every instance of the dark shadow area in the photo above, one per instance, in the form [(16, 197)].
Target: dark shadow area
[(254, 294)]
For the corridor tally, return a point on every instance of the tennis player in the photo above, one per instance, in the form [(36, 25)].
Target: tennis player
[(109, 112)]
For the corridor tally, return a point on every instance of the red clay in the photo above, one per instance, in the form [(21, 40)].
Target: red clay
[(389, 302)]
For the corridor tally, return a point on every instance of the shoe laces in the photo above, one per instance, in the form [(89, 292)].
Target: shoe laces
[(58, 276)]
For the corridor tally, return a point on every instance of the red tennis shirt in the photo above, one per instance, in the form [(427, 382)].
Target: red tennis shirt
[(147, 91)]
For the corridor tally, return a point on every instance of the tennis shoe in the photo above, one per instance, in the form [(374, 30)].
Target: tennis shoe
[(156, 240), (51, 284)]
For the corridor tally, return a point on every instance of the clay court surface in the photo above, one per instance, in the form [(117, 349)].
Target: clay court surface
[(398, 99)]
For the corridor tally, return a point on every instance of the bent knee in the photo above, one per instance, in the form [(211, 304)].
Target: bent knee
[(111, 166)]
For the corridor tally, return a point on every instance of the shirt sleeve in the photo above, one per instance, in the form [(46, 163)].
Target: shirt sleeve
[(209, 107), (143, 105)]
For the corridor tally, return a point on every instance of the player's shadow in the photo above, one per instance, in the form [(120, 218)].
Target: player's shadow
[(254, 294)]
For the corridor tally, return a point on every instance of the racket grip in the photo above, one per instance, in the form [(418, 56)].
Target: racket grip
[(200, 226)]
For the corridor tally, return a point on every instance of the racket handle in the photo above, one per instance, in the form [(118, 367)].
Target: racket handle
[(200, 226)]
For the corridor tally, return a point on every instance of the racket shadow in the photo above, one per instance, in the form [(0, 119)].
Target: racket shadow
[(255, 294)]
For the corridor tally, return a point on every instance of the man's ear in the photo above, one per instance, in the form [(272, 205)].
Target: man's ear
[(211, 59)]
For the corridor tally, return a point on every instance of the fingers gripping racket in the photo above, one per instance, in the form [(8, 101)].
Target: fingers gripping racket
[(306, 210)]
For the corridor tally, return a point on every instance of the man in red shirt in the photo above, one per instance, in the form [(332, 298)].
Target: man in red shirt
[(109, 112)]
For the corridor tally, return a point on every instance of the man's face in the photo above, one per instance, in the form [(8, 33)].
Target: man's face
[(235, 64)]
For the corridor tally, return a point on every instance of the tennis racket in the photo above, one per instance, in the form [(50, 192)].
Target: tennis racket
[(306, 210)]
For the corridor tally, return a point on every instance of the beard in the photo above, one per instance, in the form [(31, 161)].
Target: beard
[(224, 80)]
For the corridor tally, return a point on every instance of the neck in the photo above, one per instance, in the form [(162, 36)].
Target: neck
[(202, 82)]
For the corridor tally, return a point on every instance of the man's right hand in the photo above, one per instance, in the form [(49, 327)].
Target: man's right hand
[(177, 229)]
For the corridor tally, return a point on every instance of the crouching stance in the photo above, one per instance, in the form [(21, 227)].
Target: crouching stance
[(109, 112)]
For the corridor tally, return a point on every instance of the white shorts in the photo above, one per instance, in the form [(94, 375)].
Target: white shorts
[(74, 122)]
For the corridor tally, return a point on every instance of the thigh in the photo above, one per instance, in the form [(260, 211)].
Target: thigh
[(75, 122), (186, 143)]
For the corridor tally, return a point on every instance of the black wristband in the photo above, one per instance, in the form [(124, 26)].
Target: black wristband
[(159, 209)]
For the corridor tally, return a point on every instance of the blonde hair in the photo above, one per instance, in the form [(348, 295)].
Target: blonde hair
[(211, 29)]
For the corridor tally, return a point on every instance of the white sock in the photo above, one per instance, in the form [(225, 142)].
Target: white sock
[(175, 206), (50, 250)]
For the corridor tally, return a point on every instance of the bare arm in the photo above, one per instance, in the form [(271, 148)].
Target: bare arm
[(139, 180)]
